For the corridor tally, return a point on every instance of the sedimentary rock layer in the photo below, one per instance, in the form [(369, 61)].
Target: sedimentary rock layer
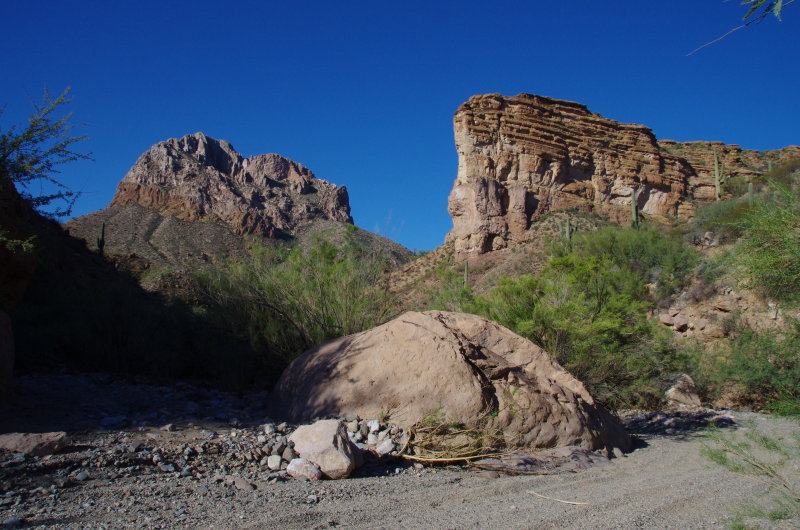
[(520, 157), (198, 178)]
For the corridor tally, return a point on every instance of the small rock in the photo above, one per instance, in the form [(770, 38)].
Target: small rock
[(167, 468), (268, 428), (281, 427), (168, 427), (14, 522), (82, 476), (352, 426), (261, 439), (302, 468), (617, 452), (680, 323), (312, 499), (241, 484), (373, 425), (488, 474), (385, 447), (289, 454), (351, 418), (372, 439), (274, 462)]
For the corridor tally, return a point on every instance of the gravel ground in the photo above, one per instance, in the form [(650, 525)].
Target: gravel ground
[(107, 477)]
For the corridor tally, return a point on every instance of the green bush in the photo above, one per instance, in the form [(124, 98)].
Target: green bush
[(588, 307), (284, 301), (722, 218), (649, 253), (764, 366), (768, 254)]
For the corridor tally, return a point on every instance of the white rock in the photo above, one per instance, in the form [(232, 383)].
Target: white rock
[(374, 425), (325, 444), (302, 468), (274, 462), (385, 447)]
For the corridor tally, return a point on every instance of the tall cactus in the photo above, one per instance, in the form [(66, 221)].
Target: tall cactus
[(750, 191), (101, 241), (719, 174)]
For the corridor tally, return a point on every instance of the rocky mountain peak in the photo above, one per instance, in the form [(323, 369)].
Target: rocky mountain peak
[(197, 177)]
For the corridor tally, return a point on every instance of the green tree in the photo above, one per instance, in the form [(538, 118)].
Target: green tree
[(767, 7), (32, 155)]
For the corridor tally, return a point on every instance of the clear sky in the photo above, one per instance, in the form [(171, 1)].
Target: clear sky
[(363, 93)]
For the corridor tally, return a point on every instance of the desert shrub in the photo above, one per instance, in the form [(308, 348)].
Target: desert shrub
[(763, 365), (591, 314), (722, 218), (285, 300), (451, 292), (768, 254), (647, 252)]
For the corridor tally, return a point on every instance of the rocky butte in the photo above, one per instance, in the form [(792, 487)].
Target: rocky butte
[(523, 156), (197, 178)]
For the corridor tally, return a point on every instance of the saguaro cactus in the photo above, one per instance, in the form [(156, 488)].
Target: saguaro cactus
[(101, 241)]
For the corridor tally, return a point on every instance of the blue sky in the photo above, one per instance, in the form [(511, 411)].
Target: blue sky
[(363, 93)]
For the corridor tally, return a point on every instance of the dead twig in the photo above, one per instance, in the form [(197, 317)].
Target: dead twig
[(559, 500)]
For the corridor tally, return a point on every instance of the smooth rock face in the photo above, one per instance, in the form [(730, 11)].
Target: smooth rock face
[(302, 468), (523, 156), (197, 178), (326, 444), (34, 444), (464, 367), (6, 357)]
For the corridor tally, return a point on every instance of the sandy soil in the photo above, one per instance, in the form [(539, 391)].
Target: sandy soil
[(665, 483)]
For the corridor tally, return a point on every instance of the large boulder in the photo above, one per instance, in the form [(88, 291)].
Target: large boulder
[(457, 366), (6, 357)]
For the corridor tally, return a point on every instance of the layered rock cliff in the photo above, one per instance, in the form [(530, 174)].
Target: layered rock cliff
[(199, 178), (523, 156)]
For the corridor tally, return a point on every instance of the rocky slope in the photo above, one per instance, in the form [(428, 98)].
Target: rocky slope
[(198, 178), (523, 156)]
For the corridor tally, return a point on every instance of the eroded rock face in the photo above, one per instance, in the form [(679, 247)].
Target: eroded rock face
[(459, 366), (523, 156), (198, 178)]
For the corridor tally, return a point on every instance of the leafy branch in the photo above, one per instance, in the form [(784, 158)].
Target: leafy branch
[(768, 7), (34, 154)]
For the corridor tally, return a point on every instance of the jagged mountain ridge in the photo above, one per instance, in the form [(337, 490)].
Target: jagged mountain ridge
[(197, 177)]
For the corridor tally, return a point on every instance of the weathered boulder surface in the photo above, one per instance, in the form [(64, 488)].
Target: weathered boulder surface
[(6, 357), (523, 156), (34, 444), (197, 178), (325, 444), (459, 366)]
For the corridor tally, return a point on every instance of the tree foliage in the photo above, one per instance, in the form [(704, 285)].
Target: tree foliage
[(31, 156), (767, 7), (284, 301)]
